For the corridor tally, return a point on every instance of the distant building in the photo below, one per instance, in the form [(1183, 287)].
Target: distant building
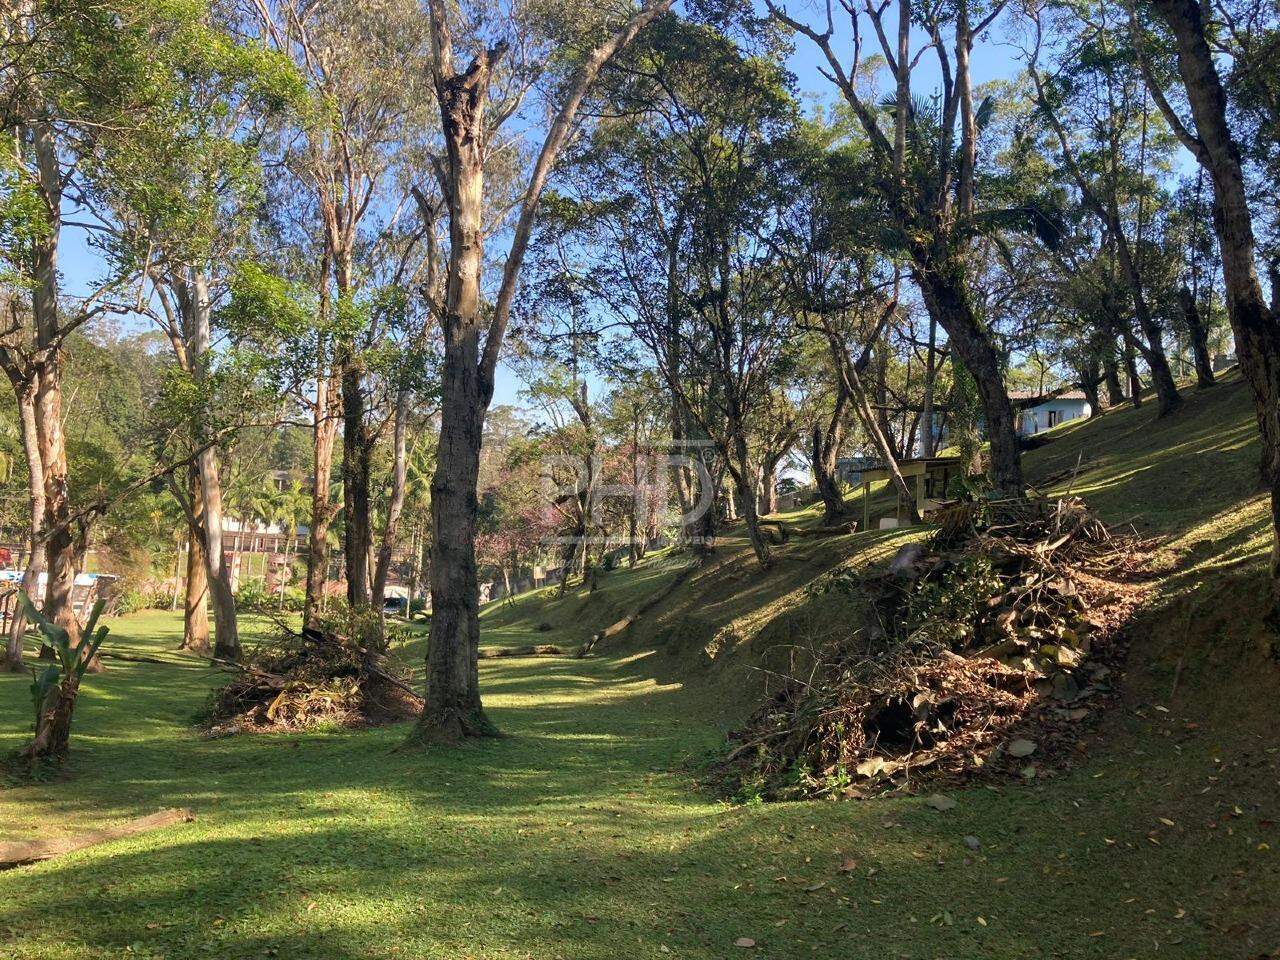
[(1038, 412), (849, 469)]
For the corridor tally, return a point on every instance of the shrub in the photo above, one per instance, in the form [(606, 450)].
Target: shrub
[(254, 597), (132, 599)]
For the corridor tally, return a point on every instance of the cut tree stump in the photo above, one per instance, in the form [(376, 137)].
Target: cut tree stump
[(33, 851)]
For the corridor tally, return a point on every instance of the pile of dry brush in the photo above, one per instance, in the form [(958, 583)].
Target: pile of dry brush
[(318, 677), (982, 648)]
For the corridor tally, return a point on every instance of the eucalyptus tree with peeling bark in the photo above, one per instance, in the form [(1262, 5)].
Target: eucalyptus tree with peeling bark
[(71, 74), (453, 707), (361, 65), (180, 195), (24, 377)]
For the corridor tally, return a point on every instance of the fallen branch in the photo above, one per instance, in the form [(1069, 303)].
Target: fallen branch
[(34, 851), (833, 531), (137, 658), (531, 650), (625, 623)]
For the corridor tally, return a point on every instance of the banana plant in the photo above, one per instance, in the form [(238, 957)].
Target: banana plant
[(54, 689)]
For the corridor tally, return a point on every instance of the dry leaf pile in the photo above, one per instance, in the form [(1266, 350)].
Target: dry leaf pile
[(310, 679), (980, 649)]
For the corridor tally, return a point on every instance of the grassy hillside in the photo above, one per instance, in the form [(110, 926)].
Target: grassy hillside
[(1189, 482), (582, 834)]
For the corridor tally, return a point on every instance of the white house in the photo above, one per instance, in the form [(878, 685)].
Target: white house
[(1037, 412)]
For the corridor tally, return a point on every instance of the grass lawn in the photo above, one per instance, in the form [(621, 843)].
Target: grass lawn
[(583, 833)]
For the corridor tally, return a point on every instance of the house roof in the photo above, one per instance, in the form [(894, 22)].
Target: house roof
[(1031, 397)]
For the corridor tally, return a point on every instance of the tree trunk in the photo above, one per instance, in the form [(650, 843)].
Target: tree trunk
[(453, 709), (193, 295), (1089, 380), (634, 551), (740, 470), (946, 298), (929, 441), (60, 546), (1131, 373), (638, 489), (768, 490), (881, 394), (1167, 397), (226, 631), (1111, 371), (422, 569), (35, 499), (356, 467), (323, 434), (853, 383), (826, 446), (413, 565), (706, 524), (391, 532), (195, 611), (1257, 332), (1199, 337), (682, 475), (671, 361)]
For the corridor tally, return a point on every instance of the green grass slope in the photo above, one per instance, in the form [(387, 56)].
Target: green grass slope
[(582, 834)]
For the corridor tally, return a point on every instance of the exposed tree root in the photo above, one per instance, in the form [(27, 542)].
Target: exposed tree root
[(33, 851)]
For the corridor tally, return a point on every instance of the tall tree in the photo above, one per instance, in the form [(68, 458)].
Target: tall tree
[(925, 169), (350, 158), (180, 196), (78, 70), (1208, 134), (453, 708), (1097, 86), (24, 378)]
